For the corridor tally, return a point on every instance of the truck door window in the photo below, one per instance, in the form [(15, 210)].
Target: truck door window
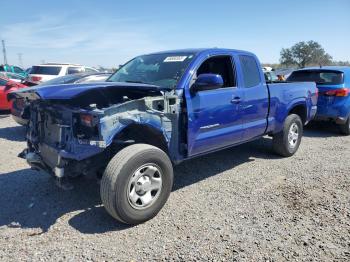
[(220, 65), (250, 69)]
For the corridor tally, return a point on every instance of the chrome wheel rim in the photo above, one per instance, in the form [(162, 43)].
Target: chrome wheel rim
[(145, 186), (293, 135)]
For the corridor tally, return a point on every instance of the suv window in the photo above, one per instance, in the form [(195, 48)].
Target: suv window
[(320, 77), (5, 68), (74, 70), (17, 69), (220, 65), (90, 70), (15, 76), (45, 70), (250, 69)]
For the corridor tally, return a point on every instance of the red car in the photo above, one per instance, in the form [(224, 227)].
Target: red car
[(7, 86)]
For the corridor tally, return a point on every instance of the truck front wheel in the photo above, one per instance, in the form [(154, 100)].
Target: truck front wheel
[(136, 183), (287, 142)]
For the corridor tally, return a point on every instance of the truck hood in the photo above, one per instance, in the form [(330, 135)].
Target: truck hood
[(69, 91)]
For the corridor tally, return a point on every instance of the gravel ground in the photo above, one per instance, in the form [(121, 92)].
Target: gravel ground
[(240, 204)]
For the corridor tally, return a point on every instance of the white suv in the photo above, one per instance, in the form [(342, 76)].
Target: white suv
[(41, 73)]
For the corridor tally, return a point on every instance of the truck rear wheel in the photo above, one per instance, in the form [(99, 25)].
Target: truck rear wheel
[(345, 128), (287, 142), (136, 183)]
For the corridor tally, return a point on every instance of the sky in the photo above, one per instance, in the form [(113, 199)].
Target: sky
[(109, 33)]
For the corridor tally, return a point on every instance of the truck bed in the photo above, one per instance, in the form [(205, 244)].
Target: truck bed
[(284, 95)]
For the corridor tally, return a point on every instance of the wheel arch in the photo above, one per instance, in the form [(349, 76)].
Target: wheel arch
[(136, 133), (299, 109)]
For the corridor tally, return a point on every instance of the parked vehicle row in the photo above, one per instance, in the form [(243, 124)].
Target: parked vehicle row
[(157, 111), (7, 86), (44, 72), (41, 74), (13, 69), (20, 115), (13, 77)]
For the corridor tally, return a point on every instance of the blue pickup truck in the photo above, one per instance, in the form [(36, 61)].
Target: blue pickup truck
[(157, 111)]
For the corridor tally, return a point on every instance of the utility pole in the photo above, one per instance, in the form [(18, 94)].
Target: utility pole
[(20, 61), (4, 51)]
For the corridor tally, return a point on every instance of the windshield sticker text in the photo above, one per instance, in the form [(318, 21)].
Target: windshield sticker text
[(175, 59)]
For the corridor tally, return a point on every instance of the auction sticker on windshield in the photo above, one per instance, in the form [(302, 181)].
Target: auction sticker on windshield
[(175, 59)]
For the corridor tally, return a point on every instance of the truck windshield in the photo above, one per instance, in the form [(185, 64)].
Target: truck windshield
[(320, 77), (163, 70)]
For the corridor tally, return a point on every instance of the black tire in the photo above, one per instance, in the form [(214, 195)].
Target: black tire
[(345, 128), (280, 142), (115, 186)]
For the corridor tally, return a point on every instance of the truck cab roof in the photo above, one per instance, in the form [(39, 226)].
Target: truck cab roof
[(198, 51)]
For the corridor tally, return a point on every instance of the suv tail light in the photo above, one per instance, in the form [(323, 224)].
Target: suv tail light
[(337, 92), (36, 78)]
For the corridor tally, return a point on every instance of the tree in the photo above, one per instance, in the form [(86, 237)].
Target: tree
[(305, 53), (341, 63)]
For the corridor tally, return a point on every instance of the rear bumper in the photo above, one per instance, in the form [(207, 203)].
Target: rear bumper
[(337, 119), (335, 109)]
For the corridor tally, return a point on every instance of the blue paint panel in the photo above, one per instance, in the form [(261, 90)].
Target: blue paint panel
[(332, 106)]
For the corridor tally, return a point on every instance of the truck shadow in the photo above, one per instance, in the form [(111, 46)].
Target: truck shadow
[(321, 129), (13, 133), (195, 170), (4, 113), (31, 200)]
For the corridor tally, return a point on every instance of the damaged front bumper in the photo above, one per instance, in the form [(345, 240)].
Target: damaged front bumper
[(52, 161), (62, 142), (36, 162)]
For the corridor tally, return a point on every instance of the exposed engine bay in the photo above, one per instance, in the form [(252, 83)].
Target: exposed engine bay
[(69, 137)]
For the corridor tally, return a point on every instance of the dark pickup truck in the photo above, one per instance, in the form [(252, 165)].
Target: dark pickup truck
[(156, 111)]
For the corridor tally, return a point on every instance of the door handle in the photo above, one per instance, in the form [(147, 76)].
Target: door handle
[(236, 100)]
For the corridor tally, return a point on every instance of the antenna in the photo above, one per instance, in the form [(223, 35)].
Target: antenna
[(4, 51)]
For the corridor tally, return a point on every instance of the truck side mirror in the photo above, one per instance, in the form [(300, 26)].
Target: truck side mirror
[(207, 82)]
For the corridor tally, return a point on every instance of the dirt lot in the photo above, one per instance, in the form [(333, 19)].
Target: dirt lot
[(241, 204)]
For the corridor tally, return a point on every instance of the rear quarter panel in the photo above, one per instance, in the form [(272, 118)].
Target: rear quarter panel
[(285, 96), (330, 106)]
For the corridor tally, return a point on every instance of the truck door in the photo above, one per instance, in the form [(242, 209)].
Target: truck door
[(214, 117), (255, 105)]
